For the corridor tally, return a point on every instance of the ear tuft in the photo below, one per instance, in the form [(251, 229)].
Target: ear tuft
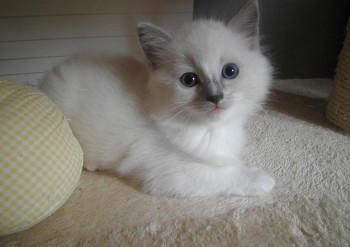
[(247, 21), (153, 40)]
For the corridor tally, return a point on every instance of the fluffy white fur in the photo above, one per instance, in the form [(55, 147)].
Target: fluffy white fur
[(140, 121)]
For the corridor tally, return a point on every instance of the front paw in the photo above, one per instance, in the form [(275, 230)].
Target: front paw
[(260, 182)]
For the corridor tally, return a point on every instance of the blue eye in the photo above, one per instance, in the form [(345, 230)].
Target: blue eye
[(189, 79), (230, 71)]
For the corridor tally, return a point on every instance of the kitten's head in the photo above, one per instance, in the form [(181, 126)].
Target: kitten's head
[(207, 71)]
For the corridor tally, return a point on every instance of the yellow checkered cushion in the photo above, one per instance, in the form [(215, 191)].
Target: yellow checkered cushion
[(40, 159)]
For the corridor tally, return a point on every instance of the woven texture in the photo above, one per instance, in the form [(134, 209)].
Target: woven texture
[(40, 159), (338, 108)]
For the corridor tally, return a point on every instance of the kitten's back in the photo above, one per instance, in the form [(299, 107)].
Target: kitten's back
[(101, 98)]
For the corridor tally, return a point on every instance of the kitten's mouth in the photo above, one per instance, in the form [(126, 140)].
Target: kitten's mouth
[(216, 110)]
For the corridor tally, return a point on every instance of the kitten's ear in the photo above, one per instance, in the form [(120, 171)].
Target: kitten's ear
[(247, 21), (154, 41)]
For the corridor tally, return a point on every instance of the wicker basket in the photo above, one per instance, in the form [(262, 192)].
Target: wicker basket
[(338, 107)]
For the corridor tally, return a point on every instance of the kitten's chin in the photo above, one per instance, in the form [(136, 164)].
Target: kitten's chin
[(216, 111), (216, 114), (193, 115), (213, 114)]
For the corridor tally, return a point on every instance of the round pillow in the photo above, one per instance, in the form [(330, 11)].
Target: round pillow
[(40, 159)]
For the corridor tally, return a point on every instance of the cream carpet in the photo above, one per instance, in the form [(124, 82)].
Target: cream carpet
[(309, 206)]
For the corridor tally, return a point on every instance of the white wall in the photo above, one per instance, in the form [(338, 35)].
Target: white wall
[(35, 34)]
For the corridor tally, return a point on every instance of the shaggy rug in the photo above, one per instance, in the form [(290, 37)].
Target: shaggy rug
[(309, 158)]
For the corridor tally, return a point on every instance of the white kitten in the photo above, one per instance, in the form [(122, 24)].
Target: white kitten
[(176, 125)]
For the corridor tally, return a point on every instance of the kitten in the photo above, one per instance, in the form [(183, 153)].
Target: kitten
[(177, 123)]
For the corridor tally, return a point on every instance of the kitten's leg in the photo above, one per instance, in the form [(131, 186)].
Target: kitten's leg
[(177, 174), (90, 167)]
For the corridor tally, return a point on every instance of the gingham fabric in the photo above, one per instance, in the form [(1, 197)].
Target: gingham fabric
[(40, 159)]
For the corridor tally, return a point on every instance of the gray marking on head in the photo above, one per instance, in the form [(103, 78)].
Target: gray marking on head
[(212, 91)]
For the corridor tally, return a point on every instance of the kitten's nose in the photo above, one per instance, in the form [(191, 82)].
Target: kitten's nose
[(215, 98)]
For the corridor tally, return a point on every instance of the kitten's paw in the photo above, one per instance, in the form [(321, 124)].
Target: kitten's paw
[(90, 167), (260, 182)]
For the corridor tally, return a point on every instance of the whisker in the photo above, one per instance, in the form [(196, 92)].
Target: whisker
[(243, 100)]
